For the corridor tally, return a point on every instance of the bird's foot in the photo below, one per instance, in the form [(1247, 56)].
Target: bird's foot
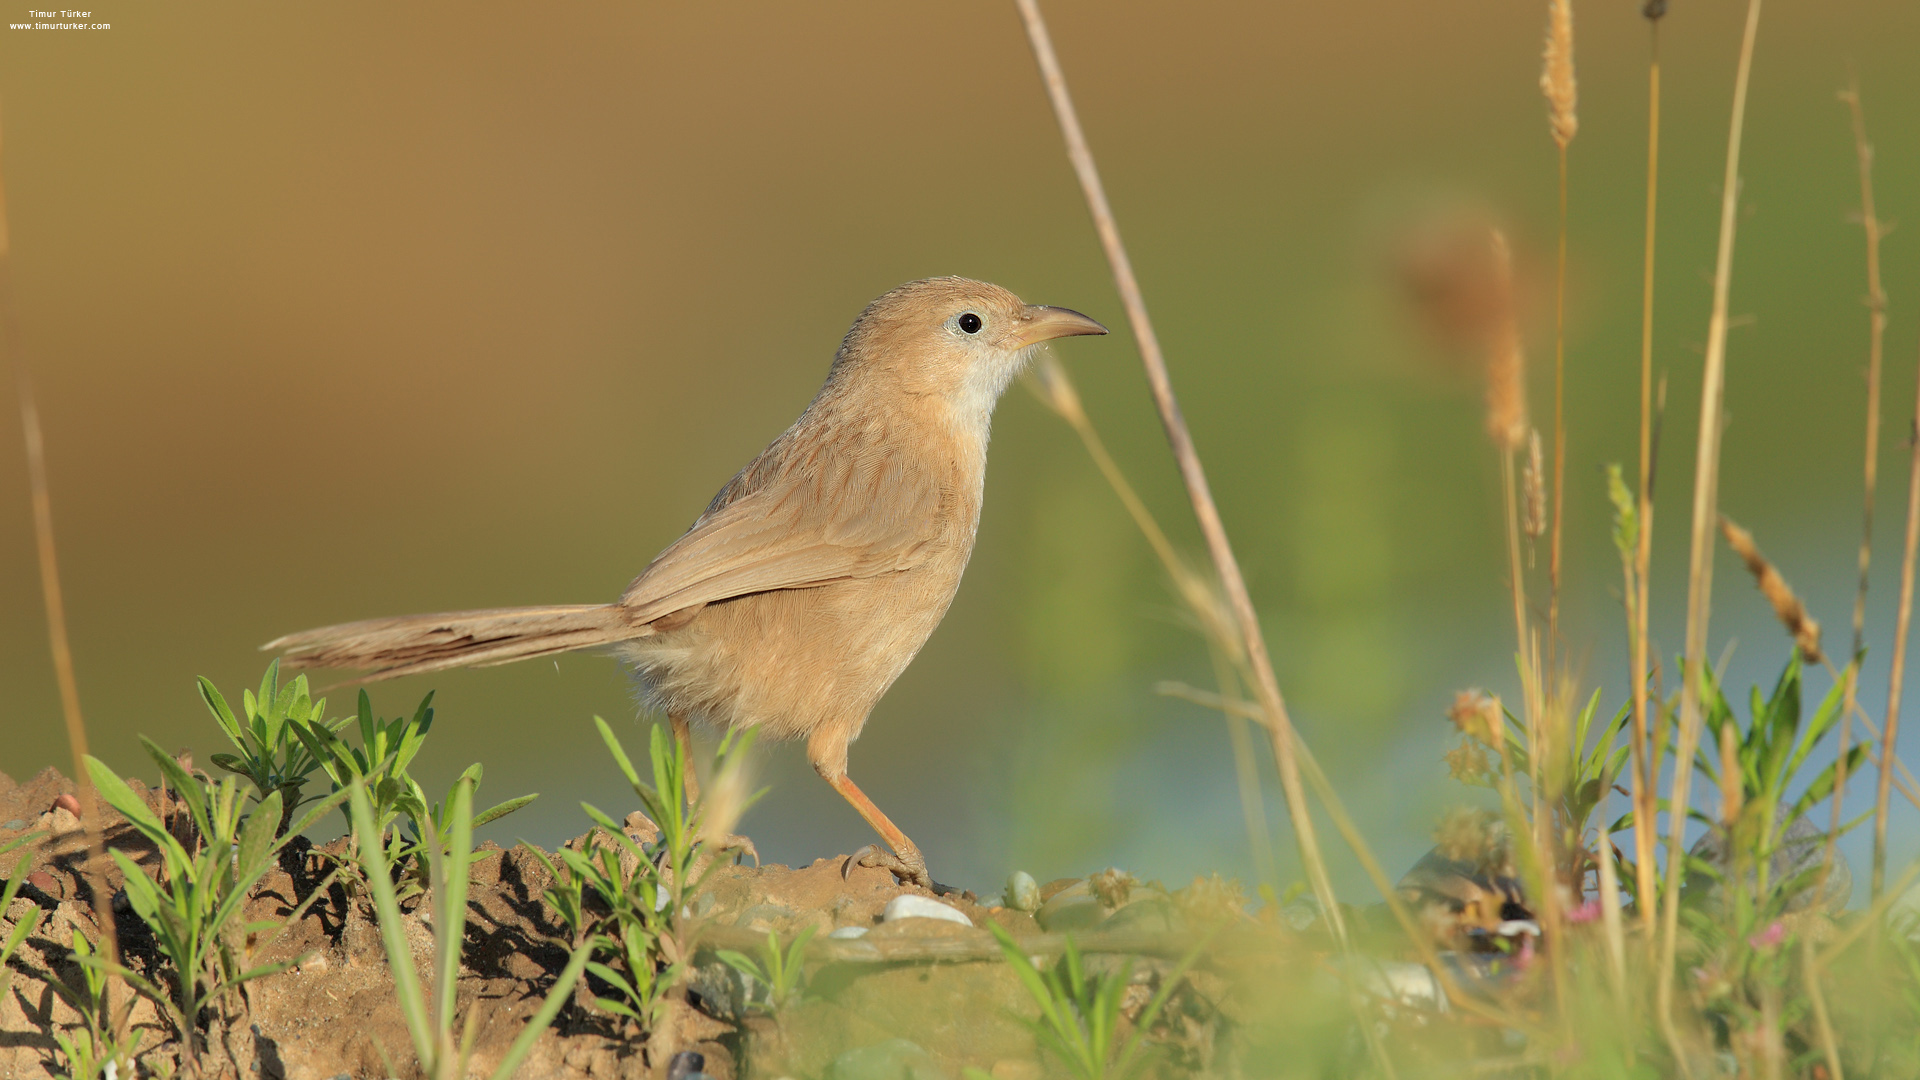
[(910, 868), (735, 844)]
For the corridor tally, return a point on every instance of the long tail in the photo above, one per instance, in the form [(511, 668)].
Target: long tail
[(413, 644)]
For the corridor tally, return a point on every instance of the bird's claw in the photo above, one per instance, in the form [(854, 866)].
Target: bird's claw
[(910, 867), (738, 845)]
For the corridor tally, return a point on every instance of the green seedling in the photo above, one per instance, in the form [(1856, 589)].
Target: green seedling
[(379, 763), (270, 753), (778, 970), (193, 911), (28, 922), (431, 824), (1769, 753), (91, 1048), (441, 1050), (1079, 1020), (639, 920)]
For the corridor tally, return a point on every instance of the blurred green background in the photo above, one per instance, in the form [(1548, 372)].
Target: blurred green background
[(349, 310)]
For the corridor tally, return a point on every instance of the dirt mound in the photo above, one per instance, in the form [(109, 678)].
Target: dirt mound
[(920, 997)]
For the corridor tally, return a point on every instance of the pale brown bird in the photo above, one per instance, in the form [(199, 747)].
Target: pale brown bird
[(816, 573)]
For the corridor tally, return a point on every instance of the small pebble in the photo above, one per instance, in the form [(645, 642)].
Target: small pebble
[(848, 933), (909, 906), (1023, 893)]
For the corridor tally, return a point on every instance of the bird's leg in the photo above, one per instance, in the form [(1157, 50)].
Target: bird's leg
[(683, 734), (905, 859)]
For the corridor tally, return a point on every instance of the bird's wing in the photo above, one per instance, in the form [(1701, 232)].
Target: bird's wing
[(803, 526)]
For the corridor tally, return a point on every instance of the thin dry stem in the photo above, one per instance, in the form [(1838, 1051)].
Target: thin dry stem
[(1557, 82), (1645, 766), (1876, 340), (1559, 407), (1700, 561), (1343, 821), (1896, 679), (91, 818), (1266, 686), (1822, 1024)]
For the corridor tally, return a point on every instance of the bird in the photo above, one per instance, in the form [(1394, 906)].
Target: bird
[(815, 575)]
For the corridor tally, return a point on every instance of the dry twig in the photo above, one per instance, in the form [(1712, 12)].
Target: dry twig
[(1253, 643), (1700, 560)]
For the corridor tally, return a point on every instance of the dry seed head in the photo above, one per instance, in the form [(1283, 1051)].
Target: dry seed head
[(1469, 763), (1787, 606), (1654, 10), (1478, 716), (1556, 77), (1506, 363), (1535, 480)]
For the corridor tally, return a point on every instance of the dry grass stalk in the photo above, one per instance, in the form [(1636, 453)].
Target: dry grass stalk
[(1732, 795), (1506, 360), (1786, 603), (1700, 554), (1645, 766), (1265, 685), (1556, 75), (1876, 341), (108, 946), (1897, 677), (1557, 82), (1534, 484), (1822, 1024)]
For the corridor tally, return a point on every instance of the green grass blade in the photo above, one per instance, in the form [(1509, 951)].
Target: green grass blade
[(406, 981)]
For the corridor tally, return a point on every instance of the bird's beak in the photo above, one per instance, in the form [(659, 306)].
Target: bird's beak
[(1042, 323)]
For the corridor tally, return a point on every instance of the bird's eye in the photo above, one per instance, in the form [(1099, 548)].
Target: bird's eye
[(970, 323)]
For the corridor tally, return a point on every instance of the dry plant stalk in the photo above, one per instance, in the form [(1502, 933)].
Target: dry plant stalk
[(1252, 641), (1057, 392), (1786, 603), (1700, 554), (1897, 677), (1876, 341), (62, 649), (1557, 83), (1506, 360), (1556, 75), (1645, 765)]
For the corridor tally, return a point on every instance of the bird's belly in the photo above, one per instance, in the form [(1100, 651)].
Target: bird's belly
[(792, 661)]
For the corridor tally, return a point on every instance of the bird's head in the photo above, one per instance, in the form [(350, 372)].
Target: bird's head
[(958, 338)]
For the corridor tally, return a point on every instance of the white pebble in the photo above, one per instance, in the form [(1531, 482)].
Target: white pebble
[(909, 906), (849, 933)]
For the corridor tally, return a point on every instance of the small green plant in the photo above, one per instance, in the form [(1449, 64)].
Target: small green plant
[(642, 892), (379, 763), (270, 753), (30, 921), (778, 970), (1079, 1020), (90, 1048), (441, 1050), (1766, 757), (193, 909), (430, 824)]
